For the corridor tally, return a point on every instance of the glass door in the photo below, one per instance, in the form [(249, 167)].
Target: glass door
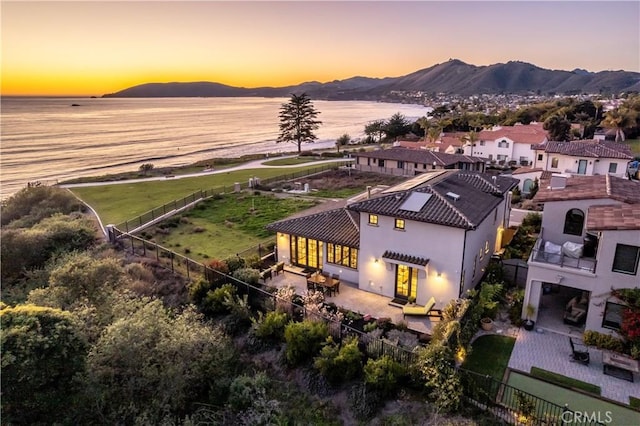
[(406, 281)]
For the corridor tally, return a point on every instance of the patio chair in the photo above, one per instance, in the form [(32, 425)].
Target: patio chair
[(311, 285), (337, 278), (579, 352)]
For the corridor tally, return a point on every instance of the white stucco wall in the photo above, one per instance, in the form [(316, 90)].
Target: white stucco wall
[(442, 245), (569, 164), (554, 217)]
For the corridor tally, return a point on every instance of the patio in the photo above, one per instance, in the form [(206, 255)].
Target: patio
[(356, 300), (551, 351)]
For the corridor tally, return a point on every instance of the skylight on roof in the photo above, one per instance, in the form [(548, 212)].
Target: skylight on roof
[(415, 202)]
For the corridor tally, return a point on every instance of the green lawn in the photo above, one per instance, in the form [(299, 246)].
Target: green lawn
[(565, 381), (634, 144), (120, 202), (490, 355), (575, 400), (290, 161), (218, 228)]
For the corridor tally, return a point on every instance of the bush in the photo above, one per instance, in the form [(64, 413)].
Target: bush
[(214, 301), (30, 205), (533, 220), (271, 326), (247, 275), (234, 263), (603, 341), (364, 401), (254, 262), (383, 374), (304, 340), (244, 390), (340, 363)]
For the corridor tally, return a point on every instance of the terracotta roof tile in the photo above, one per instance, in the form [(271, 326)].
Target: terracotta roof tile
[(416, 260), (614, 217), (587, 148), (592, 187), (338, 226), (532, 133)]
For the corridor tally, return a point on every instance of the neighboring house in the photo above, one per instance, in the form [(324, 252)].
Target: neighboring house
[(449, 143), (589, 244), (508, 143), (584, 157), (409, 162), (527, 177), (430, 236)]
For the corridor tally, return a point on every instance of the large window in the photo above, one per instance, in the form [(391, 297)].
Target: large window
[(306, 252), (613, 167), (406, 281), (342, 255), (626, 259), (573, 222), (612, 316)]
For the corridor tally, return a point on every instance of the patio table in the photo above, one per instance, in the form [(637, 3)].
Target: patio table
[(327, 283)]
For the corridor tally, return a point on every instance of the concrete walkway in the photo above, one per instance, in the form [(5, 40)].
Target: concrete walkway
[(256, 164)]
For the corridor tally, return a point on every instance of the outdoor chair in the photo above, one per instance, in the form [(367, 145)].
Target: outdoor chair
[(337, 278), (579, 352), (311, 285)]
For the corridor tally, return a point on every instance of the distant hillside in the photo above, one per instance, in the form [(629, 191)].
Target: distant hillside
[(453, 77)]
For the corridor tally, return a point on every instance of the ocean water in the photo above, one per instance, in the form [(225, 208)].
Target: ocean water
[(48, 139)]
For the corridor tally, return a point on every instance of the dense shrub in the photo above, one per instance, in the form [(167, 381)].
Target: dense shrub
[(271, 326), (602, 341), (234, 263), (30, 205), (304, 340), (244, 390), (534, 220), (436, 363), (254, 262), (383, 374), (247, 275), (338, 363), (214, 301)]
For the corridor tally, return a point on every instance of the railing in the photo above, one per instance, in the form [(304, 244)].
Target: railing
[(514, 405), (538, 254), (176, 205), (257, 297)]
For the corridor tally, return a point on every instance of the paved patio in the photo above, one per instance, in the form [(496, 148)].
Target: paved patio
[(551, 351), (356, 300)]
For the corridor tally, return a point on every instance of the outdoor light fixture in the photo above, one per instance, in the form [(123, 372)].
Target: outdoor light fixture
[(439, 274), (375, 260)]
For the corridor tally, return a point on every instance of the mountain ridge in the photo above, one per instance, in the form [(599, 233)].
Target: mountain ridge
[(452, 77)]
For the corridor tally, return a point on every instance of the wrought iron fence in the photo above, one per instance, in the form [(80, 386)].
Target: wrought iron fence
[(514, 405)]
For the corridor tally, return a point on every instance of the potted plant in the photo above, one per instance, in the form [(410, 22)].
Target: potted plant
[(411, 300), (486, 323), (529, 323)]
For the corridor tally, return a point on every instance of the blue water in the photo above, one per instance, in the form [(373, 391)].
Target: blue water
[(48, 139)]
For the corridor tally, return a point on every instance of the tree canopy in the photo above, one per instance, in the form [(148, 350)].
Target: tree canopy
[(298, 121)]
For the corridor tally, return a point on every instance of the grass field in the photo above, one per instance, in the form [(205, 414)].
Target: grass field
[(561, 380), (221, 227), (490, 355), (634, 144), (120, 202), (576, 401), (290, 161)]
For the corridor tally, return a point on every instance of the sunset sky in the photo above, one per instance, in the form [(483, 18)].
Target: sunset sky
[(93, 48)]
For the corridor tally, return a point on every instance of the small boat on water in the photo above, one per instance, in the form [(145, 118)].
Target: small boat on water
[(75, 104)]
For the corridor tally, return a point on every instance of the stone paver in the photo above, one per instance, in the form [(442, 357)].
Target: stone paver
[(552, 352)]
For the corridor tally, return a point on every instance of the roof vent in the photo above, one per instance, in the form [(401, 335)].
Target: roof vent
[(453, 196)]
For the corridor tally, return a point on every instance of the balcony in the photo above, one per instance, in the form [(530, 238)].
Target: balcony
[(563, 255)]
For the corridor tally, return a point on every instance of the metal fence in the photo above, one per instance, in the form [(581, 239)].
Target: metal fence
[(177, 205), (514, 405), (258, 298)]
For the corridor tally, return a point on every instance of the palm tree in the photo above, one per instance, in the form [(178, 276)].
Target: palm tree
[(619, 119), (298, 121), (433, 134), (470, 139), (424, 123)]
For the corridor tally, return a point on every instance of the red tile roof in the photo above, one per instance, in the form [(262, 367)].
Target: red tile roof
[(614, 217), (530, 134), (592, 187)]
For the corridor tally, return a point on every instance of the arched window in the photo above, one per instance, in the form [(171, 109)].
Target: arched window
[(573, 222), (526, 186)]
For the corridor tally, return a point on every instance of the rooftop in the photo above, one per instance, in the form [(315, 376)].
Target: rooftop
[(587, 148), (614, 217), (592, 187), (421, 156)]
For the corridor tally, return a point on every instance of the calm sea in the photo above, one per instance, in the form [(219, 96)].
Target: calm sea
[(49, 139)]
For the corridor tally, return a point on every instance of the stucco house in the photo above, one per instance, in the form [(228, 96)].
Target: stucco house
[(504, 144), (589, 244), (409, 162), (430, 236), (583, 157)]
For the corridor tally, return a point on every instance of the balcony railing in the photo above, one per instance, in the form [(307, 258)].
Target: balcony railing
[(538, 254)]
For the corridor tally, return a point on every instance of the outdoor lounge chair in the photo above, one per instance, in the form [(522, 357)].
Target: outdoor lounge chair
[(426, 310), (580, 352)]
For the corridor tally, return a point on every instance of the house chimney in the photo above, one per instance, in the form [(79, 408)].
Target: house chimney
[(558, 181)]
